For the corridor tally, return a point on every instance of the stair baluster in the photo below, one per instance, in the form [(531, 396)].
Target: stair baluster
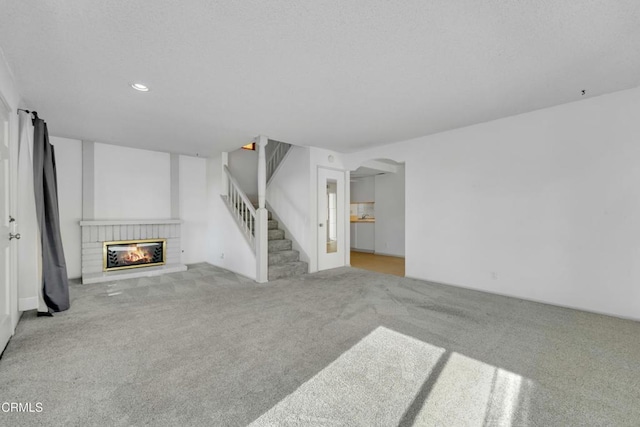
[(241, 207)]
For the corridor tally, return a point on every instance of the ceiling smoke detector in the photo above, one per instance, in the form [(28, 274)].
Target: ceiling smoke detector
[(140, 87)]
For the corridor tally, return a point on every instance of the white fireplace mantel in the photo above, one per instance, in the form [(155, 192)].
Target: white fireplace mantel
[(131, 222)]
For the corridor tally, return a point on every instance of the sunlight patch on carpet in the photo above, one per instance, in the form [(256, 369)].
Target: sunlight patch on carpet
[(370, 384), (389, 378)]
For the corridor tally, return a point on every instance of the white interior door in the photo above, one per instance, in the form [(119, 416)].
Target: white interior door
[(331, 214), (6, 329)]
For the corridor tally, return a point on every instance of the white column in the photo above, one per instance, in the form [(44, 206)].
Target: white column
[(261, 142), (174, 190), (262, 235), (88, 180), (262, 246)]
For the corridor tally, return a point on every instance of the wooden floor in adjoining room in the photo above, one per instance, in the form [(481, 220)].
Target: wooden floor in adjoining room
[(379, 263)]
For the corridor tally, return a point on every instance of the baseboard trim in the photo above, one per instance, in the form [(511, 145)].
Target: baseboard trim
[(602, 313), (232, 271), (25, 304)]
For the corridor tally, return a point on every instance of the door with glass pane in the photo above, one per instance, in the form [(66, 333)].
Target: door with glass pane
[(331, 213)]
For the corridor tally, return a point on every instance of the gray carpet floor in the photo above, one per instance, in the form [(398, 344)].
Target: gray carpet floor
[(341, 347)]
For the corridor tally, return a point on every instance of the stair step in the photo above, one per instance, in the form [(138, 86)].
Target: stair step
[(275, 234), (255, 206), (273, 224), (283, 257), (279, 245), (289, 269)]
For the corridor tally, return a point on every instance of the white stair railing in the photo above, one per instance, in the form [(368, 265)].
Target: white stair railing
[(241, 208), (276, 157), (253, 222)]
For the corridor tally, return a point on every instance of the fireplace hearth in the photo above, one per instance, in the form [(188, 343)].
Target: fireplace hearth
[(126, 254)]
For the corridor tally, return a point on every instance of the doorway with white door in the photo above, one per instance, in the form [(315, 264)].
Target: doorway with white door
[(6, 232), (331, 218)]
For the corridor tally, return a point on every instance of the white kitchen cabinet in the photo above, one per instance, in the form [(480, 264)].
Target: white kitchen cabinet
[(363, 236), (353, 235), (363, 189)]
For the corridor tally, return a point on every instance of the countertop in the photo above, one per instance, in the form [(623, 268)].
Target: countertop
[(356, 219)]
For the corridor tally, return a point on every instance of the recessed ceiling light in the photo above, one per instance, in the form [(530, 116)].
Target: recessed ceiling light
[(140, 87)]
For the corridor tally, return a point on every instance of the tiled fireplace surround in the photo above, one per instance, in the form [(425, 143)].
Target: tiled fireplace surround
[(95, 233)]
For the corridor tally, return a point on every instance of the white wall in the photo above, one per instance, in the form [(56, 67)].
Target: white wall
[(542, 206), (226, 246), (69, 171), (131, 183), (390, 213), (288, 197), (120, 193), (193, 208), (243, 165)]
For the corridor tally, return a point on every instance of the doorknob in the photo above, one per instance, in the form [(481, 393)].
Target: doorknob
[(320, 225), (14, 236)]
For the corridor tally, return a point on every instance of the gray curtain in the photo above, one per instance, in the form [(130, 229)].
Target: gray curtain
[(55, 285)]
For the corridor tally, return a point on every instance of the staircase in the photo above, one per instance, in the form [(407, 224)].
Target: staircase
[(283, 261), (275, 257)]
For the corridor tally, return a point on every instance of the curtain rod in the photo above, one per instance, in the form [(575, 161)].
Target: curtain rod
[(35, 113)]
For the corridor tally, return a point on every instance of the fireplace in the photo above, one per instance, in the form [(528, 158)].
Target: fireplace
[(126, 254)]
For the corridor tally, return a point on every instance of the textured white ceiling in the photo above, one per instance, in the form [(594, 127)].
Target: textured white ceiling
[(336, 74)]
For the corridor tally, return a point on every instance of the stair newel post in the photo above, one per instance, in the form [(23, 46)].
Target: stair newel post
[(261, 142), (262, 256)]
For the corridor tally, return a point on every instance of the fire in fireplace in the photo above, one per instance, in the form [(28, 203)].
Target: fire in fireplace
[(133, 253)]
